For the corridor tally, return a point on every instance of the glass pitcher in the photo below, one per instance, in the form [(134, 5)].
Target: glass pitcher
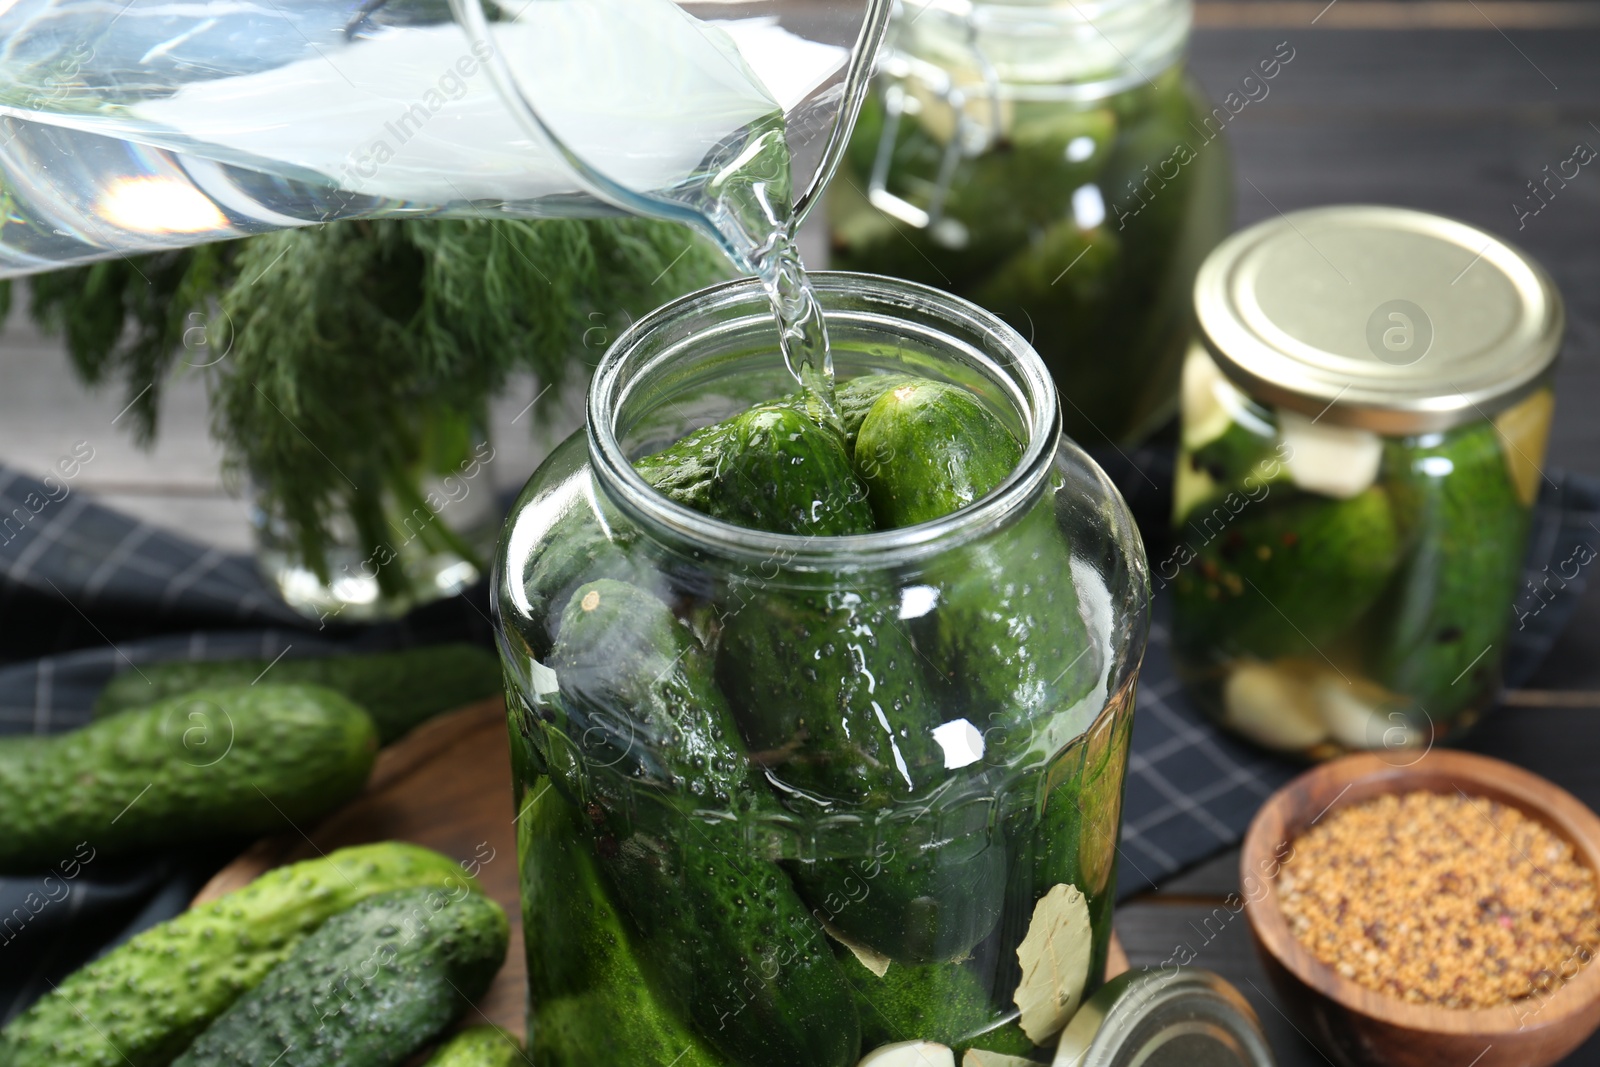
[(149, 125)]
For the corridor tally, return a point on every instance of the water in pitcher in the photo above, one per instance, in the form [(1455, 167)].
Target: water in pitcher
[(161, 125)]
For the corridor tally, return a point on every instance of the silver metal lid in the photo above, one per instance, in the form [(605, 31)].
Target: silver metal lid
[(1378, 317), (1161, 1018)]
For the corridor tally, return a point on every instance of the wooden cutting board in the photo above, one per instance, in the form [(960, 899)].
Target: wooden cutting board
[(447, 786)]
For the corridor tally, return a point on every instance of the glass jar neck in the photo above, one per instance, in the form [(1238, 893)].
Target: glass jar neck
[(1054, 48), (722, 342)]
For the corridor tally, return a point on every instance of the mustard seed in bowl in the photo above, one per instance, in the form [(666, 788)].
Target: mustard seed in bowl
[(1444, 899)]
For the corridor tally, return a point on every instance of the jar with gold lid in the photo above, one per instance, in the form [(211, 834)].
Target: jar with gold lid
[(1364, 417)]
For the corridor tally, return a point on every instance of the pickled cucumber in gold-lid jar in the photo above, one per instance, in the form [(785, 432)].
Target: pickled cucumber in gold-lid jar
[(1364, 418)]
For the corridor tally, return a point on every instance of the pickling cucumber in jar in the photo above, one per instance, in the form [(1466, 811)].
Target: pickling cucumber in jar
[(1059, 169), (781, 749), (1352, 510)]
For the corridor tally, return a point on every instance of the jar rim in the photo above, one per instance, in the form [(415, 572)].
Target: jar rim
[(1013, 45), (629, 359)]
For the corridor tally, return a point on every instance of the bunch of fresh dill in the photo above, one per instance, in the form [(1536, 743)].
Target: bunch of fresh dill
[(346, 363)]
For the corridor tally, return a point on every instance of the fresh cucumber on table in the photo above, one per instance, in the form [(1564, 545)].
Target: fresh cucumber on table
[(717, 924), (370, 987), (398, 689), (143, 1002), (235, 761)]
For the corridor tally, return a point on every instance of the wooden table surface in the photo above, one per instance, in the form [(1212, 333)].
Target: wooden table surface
[(1435, 104), (1448, 107)]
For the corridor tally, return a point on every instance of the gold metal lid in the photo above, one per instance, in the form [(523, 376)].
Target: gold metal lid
[(1383, 318)]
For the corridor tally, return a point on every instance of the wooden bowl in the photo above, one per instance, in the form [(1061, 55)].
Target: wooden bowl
[(1358, 1027)]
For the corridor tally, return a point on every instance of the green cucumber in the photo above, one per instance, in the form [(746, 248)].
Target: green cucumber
[(1069, 837), (1214, 479), (927, 449), (686, 471), (924, 898), (945, 1003), (725, 930), (1237, 453), (1444, 626), (398, 689), (704, 906), (1015, 653), (995, 201), (828, 692), (746, 471), (1007, 632), (478, 1046), (591, 1000), (853, 399), (1290, 575), (239, 761), (640, 702), (143, 1002), (369, 988), (588, 541), (1059, 280), (862, 238)]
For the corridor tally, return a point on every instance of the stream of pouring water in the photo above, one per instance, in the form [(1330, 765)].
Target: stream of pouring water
[(802, 333)]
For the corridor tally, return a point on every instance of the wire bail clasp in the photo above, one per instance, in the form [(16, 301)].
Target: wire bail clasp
[(905, 75)]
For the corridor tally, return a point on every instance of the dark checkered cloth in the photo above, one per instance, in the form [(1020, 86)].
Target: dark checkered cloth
[(101, 591)]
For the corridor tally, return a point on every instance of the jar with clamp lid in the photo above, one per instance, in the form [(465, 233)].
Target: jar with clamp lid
[(1053, 162)]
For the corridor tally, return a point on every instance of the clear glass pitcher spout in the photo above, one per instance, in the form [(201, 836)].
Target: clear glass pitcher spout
[(148, 124)]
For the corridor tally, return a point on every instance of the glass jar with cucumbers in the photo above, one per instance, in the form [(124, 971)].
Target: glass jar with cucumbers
[(1364, 419), (1054, 163), (819, 710)]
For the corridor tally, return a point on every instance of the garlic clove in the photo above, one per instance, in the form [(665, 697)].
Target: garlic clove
[(1335, 461), (910, 1054), (1271, 707)]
